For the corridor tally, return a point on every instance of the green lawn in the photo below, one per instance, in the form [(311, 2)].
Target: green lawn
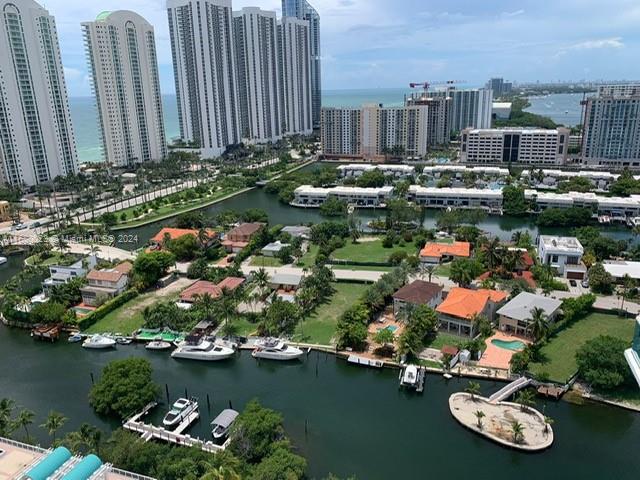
[(443, 270), (309, 258), (127, 318), (559, 354), (244, 327), (443, 338), (320, 327), (56, 258), (262, 261), (370, 251), (369, 268)]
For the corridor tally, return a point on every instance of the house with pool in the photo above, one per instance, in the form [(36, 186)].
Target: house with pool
[(515, 316), (462, 306)]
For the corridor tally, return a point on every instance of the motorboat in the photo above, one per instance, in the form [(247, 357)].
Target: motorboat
[(99, 342), (222, 423), (412, 376), (204, 350), (274, 349), (158, 345), (180, 410), (448, 376), (121, 340), (75, 338), (3, 260)]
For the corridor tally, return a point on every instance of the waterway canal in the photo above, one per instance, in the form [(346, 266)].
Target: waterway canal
[(358, 422)]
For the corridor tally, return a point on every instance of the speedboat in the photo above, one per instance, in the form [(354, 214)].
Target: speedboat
[(274, 349), (222, 423), (180, 410), (412, 376), (158, 345), (75, 338), (99, 342), (3, 260), (204, 350), (121, 340)]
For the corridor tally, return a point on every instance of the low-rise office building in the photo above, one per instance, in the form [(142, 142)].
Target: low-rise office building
[(308, 196), (357, 169), (564, 254), (533, 146), (431, 197)]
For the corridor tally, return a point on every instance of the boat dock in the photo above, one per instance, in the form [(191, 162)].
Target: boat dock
[(177, 437), (369, 362)]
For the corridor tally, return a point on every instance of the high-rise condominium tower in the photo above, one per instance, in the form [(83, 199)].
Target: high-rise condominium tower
[(36, 136), (121, 53), (205, 73), (257, 60), (303, 10), (295, 74)]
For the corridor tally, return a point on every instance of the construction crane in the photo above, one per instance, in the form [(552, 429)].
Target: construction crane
[(425, 85)]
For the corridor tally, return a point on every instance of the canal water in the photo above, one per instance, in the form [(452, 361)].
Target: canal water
[(357, 421)]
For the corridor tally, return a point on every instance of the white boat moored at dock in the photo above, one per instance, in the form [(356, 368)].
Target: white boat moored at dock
[(204, 350), (412, 376), (368, 362), (99, 342), (275, 349), (222, 423), (180, 411), (158, 345)]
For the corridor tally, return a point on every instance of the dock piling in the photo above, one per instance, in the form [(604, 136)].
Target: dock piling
[(230, 405), (208, 403), (92, 382), (185, 393), (166, 389)]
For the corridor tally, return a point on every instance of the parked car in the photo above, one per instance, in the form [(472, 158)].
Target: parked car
[(585, 283), (21, 226), (573, 283)]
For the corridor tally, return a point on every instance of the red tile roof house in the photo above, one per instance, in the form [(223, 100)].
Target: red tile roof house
[(457, 311), (238, 238), (438, 252), (174, 233), (417, 293), (190, 294), (103, 285)]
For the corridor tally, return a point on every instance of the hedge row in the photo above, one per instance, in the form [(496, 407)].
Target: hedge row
[(106, 308)]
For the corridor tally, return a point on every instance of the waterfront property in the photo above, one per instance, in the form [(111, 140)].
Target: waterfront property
[(103, 285), (273, 249), (458, 171), (200, 288), (167, 234), (434, 252), (297, 231), (61, 274), (285, 285), (499, 349), (550, 178), (462, 306), (431, 197), (618, 269), (391, 170), (515, 316), (239, 237), (616, 208), (564, 254), (415, 294), (308, 196)]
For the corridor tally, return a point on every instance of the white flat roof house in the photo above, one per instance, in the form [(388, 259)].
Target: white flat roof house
[(564, 254), (431, 197), (357, 169), (308, 196), (515, 316), (619, 268)]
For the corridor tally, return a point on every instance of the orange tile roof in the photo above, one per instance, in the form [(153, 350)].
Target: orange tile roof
[(177, 233), (231, 283), (465, 303), (526, 275), (200, 288), (455, 249)]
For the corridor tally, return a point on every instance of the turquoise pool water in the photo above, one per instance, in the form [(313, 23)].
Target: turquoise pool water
[(514, 345), (391, 328)]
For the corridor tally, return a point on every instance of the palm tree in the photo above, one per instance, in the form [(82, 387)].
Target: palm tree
[(538, 324), (628, 283), (53, 423), (6, 409), (203, 237), (473, 389), (61, 243), (25, 418), (517, 429), (430, 269), (479, 416), (206, 303), (548, 421), (493, 253), (262, 278), (526, 399)]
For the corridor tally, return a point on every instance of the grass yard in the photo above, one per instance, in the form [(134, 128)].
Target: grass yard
[(559, 354), (368, 268), (443, 338), (56, 258), (320, 327), (262, 261), (309, 258), (244, 327), (370, 251), (443, 270)]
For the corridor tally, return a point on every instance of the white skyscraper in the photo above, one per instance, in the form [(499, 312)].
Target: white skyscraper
[(121, 53), (204, 66), (36, 136), (295, 75), (303, 10), (257, 60)]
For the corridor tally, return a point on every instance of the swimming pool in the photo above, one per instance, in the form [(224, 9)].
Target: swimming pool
[(391, 328), (513, 345)]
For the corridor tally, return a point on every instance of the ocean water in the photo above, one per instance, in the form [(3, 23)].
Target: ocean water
[(562, 108)]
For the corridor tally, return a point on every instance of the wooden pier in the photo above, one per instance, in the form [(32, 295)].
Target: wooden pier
[(177, 437)]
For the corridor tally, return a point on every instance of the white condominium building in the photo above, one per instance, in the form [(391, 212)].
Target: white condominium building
[(612, 127), (401, 130), (256, 41), (295, 73), (357, 169), (431, 197), (341, 132), (618, 208), (202, 46), (515, 145), (121, 53), (601, 180), (438, 116), (36, 136), (437, 171), (308, 196)]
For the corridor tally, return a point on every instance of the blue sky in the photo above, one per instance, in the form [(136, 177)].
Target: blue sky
[(389, 43)]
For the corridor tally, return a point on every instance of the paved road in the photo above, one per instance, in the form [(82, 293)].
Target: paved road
[(608, 302)]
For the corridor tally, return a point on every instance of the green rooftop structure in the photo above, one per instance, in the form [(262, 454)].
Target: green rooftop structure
[(103, 16)]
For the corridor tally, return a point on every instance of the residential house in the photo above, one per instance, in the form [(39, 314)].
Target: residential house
[(285, 285), (515, 315), (417, 293), (618, 269), (434, 252), (158, 240), (297, 231), (61, 274), (273, 249), (461, 306), (203, 287), (103, 285), (239, 237), (564, 254)]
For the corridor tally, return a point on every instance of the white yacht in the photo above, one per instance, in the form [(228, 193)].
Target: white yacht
[(274, 349), (413, 376), (99, 342), (180, 410), (222, 423), (204, 350)]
